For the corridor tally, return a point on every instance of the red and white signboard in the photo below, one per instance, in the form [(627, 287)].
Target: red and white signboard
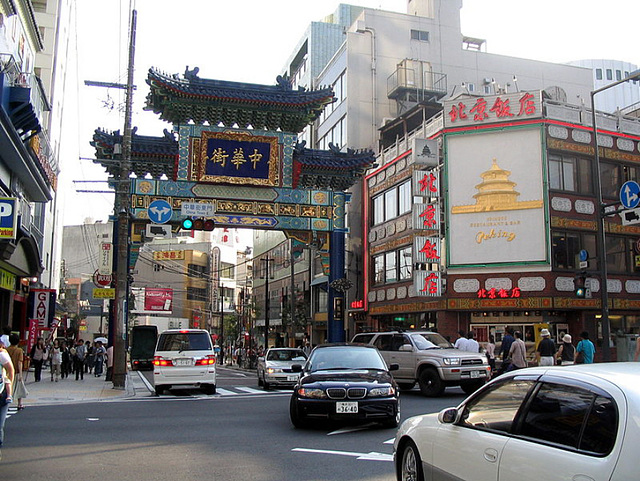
[(43, 306), (158, 299), (105, 262)]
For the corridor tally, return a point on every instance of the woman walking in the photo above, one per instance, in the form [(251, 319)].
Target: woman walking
[(17, 359), (38, 354), (55, 354), (566, 352)]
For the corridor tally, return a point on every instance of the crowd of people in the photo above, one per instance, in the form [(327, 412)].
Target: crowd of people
[(68, 358)]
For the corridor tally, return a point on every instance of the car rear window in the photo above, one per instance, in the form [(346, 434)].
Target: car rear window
[(184, 341), (362, 338)]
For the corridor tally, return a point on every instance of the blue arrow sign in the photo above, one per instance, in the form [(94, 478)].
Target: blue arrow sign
[(160, 211), (630, 194)]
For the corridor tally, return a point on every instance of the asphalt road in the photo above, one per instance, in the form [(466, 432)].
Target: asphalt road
[(241, 433)]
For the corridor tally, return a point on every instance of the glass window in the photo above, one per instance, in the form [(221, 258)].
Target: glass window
[(556, 414), (598, 74), (569, 173), (618, 75), (566, 247), (378, 210), (600, 430), (404, 192), (610, 180), (406, 263), (496, 408), (378, 270), (421, 35), (616, 254), (390, 204), (390, 267), (383, 342), (609, 74), (184, 341)]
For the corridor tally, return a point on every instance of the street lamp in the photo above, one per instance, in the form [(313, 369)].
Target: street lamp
[(602, 241)]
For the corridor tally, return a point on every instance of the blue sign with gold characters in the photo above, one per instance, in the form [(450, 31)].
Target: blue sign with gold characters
[(8, 217)]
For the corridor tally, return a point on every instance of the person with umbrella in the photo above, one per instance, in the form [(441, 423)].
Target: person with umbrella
[(100, 353)]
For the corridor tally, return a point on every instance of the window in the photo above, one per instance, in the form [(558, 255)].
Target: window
[(406, 263), (496, 408), (391, 272), (420, 35), (471, 88), (383, 342), (616, 254), (572, 417), (404, 193), (392, 203), (378, 210), (598, 74), (609, 74), (566, 246), (392, 266), (572, 174), (610, 180), (618, 75), (378, 270)]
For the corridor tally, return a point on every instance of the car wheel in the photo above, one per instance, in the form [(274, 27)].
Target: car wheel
[(430, 383), (297, 419), (208, 388), (265, 384), (410, 464), (406, 386), (160, 389), (471, 387), (392, 422)]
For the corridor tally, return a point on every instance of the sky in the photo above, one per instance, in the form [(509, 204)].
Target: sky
[(250, 41)]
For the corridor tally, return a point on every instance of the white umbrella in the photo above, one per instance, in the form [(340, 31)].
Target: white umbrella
[(103, 340)]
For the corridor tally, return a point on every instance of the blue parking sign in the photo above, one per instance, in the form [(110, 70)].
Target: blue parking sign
[(8, 217)]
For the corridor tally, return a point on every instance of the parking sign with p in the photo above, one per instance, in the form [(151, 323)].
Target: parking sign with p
[(8, 217)]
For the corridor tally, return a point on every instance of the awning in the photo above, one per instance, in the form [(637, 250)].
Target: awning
[(320, 280)]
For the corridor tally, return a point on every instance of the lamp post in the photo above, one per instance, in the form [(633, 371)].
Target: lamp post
[(602, 239)]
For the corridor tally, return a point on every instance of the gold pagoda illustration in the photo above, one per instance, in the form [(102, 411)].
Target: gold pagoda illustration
[(496, 193)]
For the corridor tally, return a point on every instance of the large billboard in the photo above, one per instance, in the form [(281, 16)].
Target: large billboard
[(496, 199)]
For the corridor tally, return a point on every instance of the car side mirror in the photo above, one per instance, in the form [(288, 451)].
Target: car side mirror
[(394, 367), (296, 368), (406, 347), (448, 415)]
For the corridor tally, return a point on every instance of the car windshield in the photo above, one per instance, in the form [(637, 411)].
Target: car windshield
[(184, 341), (345, 357), (430, 340), (286, 355)]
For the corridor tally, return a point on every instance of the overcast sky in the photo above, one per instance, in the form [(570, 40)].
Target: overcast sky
[(250, 40)]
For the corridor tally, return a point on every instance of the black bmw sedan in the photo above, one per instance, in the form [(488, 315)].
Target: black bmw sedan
[(345, 382)]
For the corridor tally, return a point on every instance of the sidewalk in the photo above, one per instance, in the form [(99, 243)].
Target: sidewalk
[(69, 390)]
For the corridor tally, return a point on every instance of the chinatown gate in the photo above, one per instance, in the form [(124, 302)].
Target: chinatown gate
[(237, 154)]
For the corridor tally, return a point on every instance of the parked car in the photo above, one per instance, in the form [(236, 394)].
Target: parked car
[(184, 358), (428, 359), (345, 382), (274, 368), (552, 423)]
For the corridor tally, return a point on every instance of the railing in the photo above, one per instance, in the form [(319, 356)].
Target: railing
[(617, 122)]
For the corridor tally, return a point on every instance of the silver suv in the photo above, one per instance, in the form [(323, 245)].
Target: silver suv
[(428, 359)]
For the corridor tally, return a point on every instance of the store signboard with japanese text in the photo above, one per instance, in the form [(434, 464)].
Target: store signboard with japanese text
[(496, 200), (426, 216), (427, 283), (426, 249), (466, 111), (426, 183)]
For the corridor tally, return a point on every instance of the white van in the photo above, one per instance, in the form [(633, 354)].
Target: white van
[(184, 358)]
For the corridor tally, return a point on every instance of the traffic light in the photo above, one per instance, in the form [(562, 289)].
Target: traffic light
[(197, 224), (579, 283)]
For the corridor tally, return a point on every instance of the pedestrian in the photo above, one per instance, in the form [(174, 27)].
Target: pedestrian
[(6, 384), (6, 333), (65, 366), (17, 359), (100, 353), (38, 354), (461, 342), (546, 350), (566, 352), (307, 348), (505, 345), (490, 349), (518, 352), (55, 355), (78, 360), (89, 357), (109, 356), (585, 349), (471, 345)]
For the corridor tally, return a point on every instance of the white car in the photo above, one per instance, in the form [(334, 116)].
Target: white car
[(184, 358), (274, 369), (546, 423)]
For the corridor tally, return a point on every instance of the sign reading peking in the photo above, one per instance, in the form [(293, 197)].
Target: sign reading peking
[(467, 111)]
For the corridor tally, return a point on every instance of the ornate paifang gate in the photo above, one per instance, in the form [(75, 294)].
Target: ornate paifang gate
[(253, 174)]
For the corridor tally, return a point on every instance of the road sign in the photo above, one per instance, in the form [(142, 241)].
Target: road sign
[(8, 217), (105, 262), (158, 230), (631, 216), (101, 280), (197, 209), (160, 211), (630, 194)]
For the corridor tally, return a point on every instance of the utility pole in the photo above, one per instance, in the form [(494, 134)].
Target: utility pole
[(292, 300), (267, 302), (122, 216)]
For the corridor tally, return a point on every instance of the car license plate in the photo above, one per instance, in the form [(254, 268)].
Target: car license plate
[(346, 407), (184, 362), (292, 378), (475, 374)]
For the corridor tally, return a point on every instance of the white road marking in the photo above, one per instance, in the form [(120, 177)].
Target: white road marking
[(389, 441), (93, 419), (224, 392), (250, 390), (351, 430), (372, 456)]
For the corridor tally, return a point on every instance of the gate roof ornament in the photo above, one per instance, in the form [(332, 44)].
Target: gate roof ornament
[(189, 98)]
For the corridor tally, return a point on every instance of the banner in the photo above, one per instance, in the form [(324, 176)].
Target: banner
[(158, 300), (43, 306)]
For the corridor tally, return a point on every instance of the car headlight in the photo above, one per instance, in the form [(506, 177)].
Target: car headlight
[(313, 393), (271, 370), (451, 361), (382, 391)]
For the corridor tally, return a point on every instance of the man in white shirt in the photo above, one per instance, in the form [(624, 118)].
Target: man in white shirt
[(461, 342), (472, 345)]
